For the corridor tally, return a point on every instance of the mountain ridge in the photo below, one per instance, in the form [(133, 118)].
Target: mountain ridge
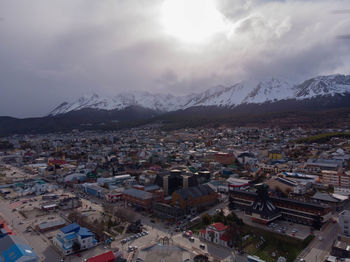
[(245, 92)]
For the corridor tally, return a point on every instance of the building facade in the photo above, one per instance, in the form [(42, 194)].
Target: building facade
[(344, 222), (73, 238), (291, 210), (215, 233)]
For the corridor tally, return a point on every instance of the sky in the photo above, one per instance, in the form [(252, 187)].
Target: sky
[(58, 50)]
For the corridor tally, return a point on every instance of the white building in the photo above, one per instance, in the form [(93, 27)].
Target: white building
[(73, 238), (215, 233)]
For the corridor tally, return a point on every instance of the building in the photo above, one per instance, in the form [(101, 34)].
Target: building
[(341, 247), (175, 180), (275, 155), (70, 203), (113, 196), (291, 210), (215, 233), (139, 198), (318, 165), (287, 186), (194, 198), (15, 249), (262, 209), (4, 229), (336, 178), (329, 200), (164, 210), (224, 158), (50, 225), (344, 222), (113, 181), (73, 238), (237, 183), (94, 190), (105, 257)]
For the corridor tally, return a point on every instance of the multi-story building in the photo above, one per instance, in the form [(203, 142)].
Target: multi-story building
[(194, 198), (336, 178), (73, 237), (344, 222), (289, 209)]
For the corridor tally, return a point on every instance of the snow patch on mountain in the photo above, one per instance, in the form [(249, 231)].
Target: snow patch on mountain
[(245, 92)]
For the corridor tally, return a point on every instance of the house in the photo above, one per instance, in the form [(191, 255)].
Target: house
[(73, 238), (15, 249), (215, 233)]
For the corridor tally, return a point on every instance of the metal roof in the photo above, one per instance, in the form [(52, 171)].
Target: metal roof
[(138, 193), (195, 192)]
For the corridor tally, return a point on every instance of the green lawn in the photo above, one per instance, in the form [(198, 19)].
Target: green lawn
[(285, 246)]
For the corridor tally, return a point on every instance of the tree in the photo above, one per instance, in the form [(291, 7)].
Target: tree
[(233, 235), (206, 219)]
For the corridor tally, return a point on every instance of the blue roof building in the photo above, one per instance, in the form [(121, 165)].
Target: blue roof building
[(15, 249), (71, 234)]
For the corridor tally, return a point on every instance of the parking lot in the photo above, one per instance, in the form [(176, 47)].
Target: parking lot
[(279, 226)]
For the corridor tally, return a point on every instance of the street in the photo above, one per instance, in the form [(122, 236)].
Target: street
[(37, 242)]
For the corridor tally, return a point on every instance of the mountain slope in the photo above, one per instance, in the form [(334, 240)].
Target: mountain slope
[(246, 92)]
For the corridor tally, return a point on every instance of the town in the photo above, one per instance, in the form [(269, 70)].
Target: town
[(195, 194)]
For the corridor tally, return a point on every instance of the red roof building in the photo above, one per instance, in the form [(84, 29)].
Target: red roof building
[(215, 233), (4, 228), (105, 257)]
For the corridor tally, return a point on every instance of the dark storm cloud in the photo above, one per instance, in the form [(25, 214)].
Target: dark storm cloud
[(53, 51), (346, 37)]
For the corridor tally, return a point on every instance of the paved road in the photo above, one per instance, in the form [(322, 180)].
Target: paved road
[(318, 249), (40, 245)]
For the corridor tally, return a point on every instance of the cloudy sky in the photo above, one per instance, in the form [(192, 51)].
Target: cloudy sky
[(58, 50)]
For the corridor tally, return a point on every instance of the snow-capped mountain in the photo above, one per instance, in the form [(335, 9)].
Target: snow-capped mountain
[(246, 92), (324, 86), (158, 102)]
